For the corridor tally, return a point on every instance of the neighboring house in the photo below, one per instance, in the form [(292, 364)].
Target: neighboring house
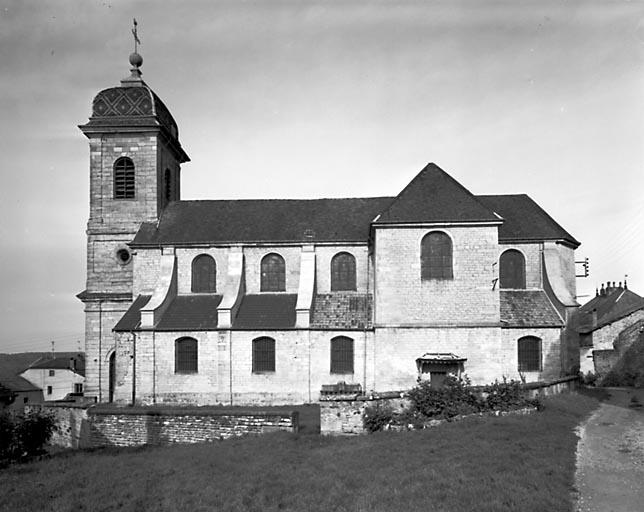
[(600, 321), (57, 376), (266, 301), (15, 391)]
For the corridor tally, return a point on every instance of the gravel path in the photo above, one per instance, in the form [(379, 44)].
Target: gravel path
[(610, 456)]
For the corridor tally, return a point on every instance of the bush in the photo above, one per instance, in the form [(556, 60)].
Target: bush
[(589, 379), (24, 436), (455, 398), (504, 396), (377, 417)]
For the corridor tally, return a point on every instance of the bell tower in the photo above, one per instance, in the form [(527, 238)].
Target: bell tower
[(135, 159)]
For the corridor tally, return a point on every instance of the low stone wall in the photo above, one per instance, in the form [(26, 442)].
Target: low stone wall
[(343, 414), (71, 421), (110, 426), (81, 426)]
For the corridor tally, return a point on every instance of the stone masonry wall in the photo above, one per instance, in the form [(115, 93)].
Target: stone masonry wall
[(404, 299), (532, 255), (71, 421), (138, 426)]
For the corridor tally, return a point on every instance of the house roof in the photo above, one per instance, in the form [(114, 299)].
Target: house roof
[(61, 361), (528, 308), (434, 196), (12, 365), (525, 220), (263, 220), (266, 311), (612, 306)]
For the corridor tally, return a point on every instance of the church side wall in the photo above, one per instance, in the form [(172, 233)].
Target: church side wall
[(550, 353), (252, 265), (402, 298), (324, 254), (147, 268), (532, 254), (184, 266)]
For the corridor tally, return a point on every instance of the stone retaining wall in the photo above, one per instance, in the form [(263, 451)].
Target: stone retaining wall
[(343, 414), (84, 427)]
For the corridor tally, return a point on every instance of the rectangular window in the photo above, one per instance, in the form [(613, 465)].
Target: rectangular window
[(341, 355), (263, 355), (78, 388), (52, 373), (49, 390)]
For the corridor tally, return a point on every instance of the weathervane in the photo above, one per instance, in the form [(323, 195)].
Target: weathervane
[(136, 36)]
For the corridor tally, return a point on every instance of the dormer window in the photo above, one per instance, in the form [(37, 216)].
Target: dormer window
[(124, 178)]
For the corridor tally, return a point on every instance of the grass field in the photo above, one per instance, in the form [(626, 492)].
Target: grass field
[(500, 464)]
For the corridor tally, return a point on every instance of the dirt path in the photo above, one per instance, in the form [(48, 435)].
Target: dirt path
[(610, 456)]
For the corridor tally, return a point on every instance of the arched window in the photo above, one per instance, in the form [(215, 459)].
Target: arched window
[(123, 178), (167, 185), (273, 278), (204, 274), (343, 272), (529, 354), (512, 270), (263, 355), (185, 355), (341, 355), (436, 256)]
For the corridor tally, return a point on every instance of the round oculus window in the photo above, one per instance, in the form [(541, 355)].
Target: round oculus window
[(123, 256)]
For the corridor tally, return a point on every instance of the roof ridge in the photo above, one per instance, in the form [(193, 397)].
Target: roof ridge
[(183, 201)]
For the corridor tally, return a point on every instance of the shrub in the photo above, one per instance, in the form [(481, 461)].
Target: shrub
[(24, 436), (503, 396), (589, 379), (455, 398), (377, 417)]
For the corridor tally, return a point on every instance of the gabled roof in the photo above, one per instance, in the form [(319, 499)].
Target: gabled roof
[(266, 311), (132, 317), (263, 220), (12, 365), (525, 220), (528, 308), (434, 196), (62, 361), (610, 307)]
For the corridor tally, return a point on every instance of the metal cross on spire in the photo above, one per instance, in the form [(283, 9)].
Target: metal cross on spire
[(136, 36)]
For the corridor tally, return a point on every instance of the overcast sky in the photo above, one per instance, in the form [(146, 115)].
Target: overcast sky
[(322, 99)]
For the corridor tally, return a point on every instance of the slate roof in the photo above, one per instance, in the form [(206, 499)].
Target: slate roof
[(434, 196), (263, 220), (266, 311), (528, 308), (132, 317), (12, 365), (341, 311), (197, 312), (525, 220), (61, 362), (610, 308), (191, 313)]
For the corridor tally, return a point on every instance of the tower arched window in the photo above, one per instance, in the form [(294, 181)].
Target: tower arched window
[(341, 355), (273, 277), (263, 355), (124, 178), (436, 256), (204, 274), (167, 185), (512, 270), (343, 272), (529, 354), (185, 355)]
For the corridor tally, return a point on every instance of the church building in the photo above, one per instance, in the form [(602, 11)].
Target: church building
[(266, 301)]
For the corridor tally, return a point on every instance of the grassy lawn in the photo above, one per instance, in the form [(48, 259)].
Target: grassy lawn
[(508, 463)]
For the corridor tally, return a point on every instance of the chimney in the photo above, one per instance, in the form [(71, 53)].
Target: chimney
[(602, 292)]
